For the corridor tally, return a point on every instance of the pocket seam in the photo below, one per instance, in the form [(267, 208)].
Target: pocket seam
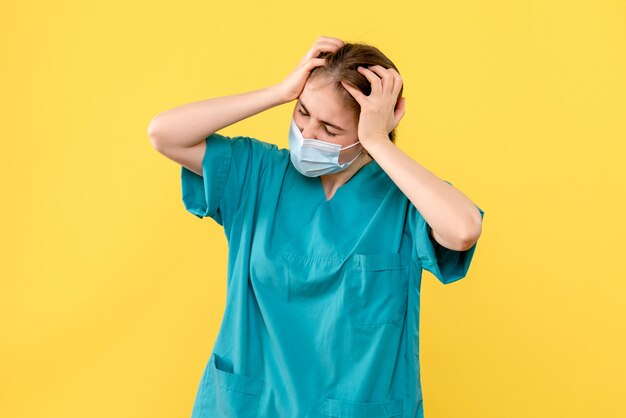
[(347, 409), (370, 264), (238, 391), (234, 382), (379, 262)]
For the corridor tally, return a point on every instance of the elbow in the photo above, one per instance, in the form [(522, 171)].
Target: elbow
[(473, 230), (153, 135), (466, 245), (470, 238)]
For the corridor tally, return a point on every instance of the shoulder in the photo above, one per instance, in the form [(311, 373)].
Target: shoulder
[(258, 145), (243, 147)]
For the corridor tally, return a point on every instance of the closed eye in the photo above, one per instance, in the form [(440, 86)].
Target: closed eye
[(325, 129)]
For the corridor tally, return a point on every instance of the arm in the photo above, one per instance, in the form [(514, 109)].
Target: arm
[(181, 131), (455, 221), (187, 125)]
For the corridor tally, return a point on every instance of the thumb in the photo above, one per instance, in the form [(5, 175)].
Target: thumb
[(353, 91)]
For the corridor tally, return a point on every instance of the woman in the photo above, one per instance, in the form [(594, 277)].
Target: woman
[(327, 241)]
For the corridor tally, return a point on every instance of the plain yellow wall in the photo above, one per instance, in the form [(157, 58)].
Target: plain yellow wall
[(112, 294)]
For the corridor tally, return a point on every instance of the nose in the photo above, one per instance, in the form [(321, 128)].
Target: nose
[(306, 134)]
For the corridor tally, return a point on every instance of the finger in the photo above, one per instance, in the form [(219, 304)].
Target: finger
[(320, 47), (332, 39), (373, 79), (356, 93), (400, 110), (386, 77), (329, 45), (314, 62), (397, 85)]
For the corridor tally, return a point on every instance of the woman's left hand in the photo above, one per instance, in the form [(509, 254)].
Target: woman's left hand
[(381, 111)]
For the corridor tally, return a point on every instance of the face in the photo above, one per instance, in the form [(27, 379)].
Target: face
[(319, 115)]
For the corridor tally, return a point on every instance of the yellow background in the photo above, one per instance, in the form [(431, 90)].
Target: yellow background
[(112, 294)]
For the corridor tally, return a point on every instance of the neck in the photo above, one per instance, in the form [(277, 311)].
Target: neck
[(331, 182)]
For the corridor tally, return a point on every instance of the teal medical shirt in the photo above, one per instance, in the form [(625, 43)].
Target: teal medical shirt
[(323, 297)]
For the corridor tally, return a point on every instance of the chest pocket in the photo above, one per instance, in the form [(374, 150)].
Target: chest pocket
[(377, 288)]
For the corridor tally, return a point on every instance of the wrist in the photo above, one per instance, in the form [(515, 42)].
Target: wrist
[(278, 94)]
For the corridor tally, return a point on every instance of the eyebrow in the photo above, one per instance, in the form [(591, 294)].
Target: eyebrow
[(323, 121)]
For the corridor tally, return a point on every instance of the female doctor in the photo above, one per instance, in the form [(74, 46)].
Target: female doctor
[(327, 241)]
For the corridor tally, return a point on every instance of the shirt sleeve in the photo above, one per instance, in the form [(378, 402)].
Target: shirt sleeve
[(230, 166), (445, 264)]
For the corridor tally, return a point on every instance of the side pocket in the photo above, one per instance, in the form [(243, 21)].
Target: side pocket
[(377, 287), (346, 409), (237, 396), (201, 402)]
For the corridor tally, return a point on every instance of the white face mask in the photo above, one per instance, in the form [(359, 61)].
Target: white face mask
[(313, 157)]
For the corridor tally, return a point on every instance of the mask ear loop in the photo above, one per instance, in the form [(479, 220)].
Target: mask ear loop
[(350, 146), (357, 156)]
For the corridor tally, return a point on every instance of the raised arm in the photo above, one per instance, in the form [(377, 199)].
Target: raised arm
[(180, 133)]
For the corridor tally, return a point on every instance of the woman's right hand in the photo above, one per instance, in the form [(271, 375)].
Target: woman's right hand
[(292, 86)]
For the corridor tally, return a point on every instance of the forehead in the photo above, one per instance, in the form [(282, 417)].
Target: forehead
[(322, 100)]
